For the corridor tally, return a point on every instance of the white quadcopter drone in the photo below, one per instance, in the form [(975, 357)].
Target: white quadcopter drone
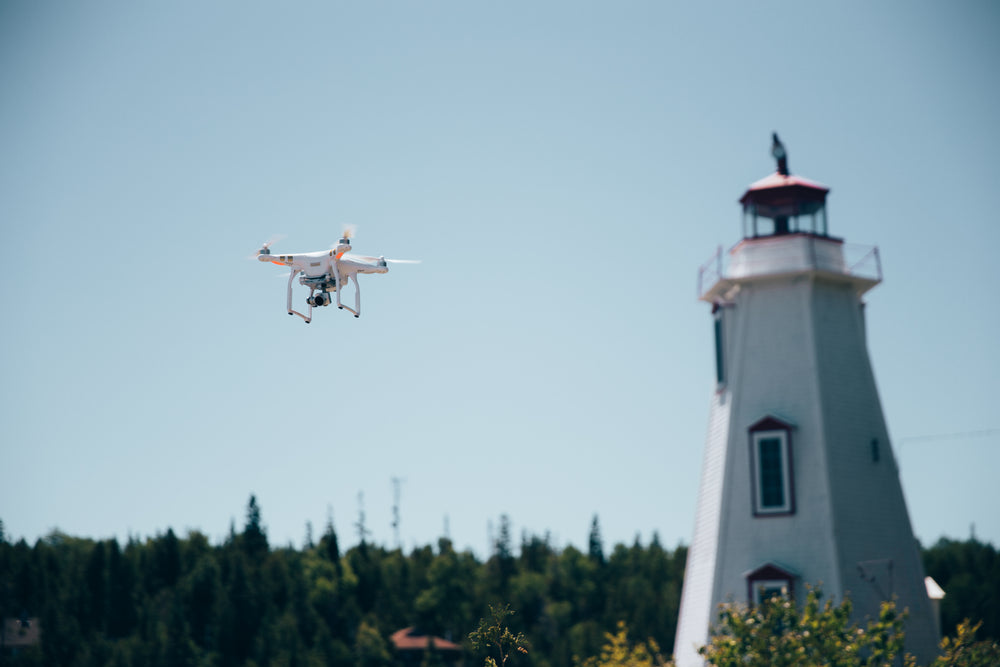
[(327, 271)]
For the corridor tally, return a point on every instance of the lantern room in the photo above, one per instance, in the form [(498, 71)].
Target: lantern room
[(784, 204)]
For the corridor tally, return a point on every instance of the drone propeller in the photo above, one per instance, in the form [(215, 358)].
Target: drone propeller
[(368, 258), (273, 239), (345, 238), (265, 247)]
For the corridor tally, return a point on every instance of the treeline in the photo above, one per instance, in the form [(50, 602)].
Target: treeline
[(173, 600), (969, 573), (183, 601)]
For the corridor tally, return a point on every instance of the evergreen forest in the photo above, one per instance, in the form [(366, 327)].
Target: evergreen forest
[(170, 600)]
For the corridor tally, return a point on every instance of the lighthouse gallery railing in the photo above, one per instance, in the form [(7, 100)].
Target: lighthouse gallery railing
[(860, 261)]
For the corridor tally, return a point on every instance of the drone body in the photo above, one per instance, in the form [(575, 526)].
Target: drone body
[(326, 271)]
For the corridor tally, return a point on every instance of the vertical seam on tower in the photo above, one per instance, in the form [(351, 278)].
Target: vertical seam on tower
[(823, 447), (741, 304)]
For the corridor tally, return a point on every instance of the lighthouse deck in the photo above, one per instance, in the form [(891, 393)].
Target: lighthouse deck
[(790, 254)]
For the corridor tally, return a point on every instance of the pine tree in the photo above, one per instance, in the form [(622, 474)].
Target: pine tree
[(596, 544), (96, 590), (121, 593), (254, 538), (328, 543)]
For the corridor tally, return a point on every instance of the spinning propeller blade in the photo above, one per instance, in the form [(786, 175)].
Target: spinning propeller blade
[(369, 258), (267, 244), (345, 237)]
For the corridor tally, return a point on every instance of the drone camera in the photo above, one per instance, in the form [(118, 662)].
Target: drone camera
[(318, 300)]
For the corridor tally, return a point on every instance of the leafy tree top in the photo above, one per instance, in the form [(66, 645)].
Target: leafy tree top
[(776, 634), (493, 634)]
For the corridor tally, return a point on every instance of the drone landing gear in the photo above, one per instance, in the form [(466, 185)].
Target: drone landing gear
[(357, 293), (323, 298), (357, 298), (292, 311)]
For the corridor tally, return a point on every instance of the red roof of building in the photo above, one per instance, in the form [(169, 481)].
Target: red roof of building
[(18, 633), (410, 639)]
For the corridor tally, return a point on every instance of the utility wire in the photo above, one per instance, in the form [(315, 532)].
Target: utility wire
[(961, 435), (949, 436)]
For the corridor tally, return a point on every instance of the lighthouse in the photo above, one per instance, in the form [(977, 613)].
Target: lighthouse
[(799, 485)]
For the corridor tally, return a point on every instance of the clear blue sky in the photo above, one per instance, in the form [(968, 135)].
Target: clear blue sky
[(561, 168)]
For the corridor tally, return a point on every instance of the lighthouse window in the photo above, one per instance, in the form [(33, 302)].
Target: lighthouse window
[(769, 581), (765, 590), (720, 372), (771, 473), (772, 483)]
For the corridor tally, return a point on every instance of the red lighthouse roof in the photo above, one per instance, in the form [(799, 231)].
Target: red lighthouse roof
[(784, 194)]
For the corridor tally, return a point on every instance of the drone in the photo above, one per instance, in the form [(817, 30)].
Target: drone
[(328, 271)]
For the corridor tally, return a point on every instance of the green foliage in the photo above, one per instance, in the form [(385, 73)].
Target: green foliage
[(963, 650), (445, 602), (371, 649), (617, 651), (778, 634), (969, 572), (494, 635)]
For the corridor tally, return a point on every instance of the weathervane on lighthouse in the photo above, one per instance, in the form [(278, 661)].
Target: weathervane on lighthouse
[(778, 151), (799, 485)]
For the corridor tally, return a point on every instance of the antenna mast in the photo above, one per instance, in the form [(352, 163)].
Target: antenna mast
[(396, 483), (360, 525)]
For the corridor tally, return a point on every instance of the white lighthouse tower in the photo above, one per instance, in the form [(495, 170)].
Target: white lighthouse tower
[(799, 484)]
